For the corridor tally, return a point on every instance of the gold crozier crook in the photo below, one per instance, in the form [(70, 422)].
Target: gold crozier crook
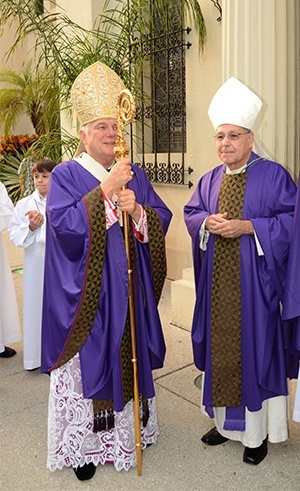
[(126, 113)]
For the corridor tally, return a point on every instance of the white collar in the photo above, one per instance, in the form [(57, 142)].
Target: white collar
[(38, 195), (243, 168), (92, 166), (236, 171)]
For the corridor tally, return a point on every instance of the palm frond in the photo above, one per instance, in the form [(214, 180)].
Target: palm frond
[(57, 144), (32, 92), (63, 49), (9, 175)]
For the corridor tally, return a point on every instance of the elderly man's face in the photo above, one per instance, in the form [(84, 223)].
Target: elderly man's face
[(99, 138), (234, 145)]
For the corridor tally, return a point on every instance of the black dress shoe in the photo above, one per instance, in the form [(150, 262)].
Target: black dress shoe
[(255, 455), (85, 472), (213, 437), (8, 352)]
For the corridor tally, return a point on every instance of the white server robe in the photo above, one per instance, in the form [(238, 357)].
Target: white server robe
[(33, 243), (10, 331)]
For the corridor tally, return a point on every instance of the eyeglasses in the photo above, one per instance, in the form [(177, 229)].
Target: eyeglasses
[(219, 137)]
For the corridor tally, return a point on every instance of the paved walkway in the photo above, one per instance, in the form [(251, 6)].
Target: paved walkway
[(179, 461)]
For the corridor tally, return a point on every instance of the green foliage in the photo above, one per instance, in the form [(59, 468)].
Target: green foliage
[(63, 49), (9, 175), (56, 144), (14, 149), (67, 48), (33, 92)]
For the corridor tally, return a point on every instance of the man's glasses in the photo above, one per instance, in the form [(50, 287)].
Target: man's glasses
[(232, 136)]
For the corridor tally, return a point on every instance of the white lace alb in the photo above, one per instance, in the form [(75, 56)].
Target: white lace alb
[(71, 440)]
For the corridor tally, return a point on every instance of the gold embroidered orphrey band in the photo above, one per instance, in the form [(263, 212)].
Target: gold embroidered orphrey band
[(90, 295), (226, 301)]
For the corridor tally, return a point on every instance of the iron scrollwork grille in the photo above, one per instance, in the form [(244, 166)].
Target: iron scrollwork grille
[(162, 129), (167, 172), (168, 92)]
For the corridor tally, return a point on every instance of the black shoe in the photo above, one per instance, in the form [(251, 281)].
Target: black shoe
[(8, 352), (85, 472), (213, 437), (255, 455)]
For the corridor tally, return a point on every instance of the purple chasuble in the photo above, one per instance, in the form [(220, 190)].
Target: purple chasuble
[(291, 302), (67, 249), (269, 203)]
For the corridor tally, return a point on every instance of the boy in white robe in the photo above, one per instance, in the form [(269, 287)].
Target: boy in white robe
[(27, 229), (10, 331)]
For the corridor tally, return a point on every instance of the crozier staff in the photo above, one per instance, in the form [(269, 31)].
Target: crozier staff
[(86, 335), (125, 114)]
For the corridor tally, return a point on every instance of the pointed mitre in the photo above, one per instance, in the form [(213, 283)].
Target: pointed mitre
[(95, 92), (234, 103)]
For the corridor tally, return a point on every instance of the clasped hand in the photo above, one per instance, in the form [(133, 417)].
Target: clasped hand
[(36, 219), (220, 225)]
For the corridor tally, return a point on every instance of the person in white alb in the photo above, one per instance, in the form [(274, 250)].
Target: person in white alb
[(10, 331), (27, 230)]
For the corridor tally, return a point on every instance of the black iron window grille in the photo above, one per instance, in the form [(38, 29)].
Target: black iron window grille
[(161, 127)]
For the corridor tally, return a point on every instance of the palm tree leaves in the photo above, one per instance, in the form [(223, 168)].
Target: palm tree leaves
[(30, 92), (9, 175), (68, 48), (62, 49)]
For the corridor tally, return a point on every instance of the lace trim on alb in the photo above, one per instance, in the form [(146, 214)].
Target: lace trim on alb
[(71, 441)]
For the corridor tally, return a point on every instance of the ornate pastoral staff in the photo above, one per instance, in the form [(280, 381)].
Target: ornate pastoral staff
[(126, 113)]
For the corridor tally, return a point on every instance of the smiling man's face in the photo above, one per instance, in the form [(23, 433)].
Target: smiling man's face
[(99, 138)]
